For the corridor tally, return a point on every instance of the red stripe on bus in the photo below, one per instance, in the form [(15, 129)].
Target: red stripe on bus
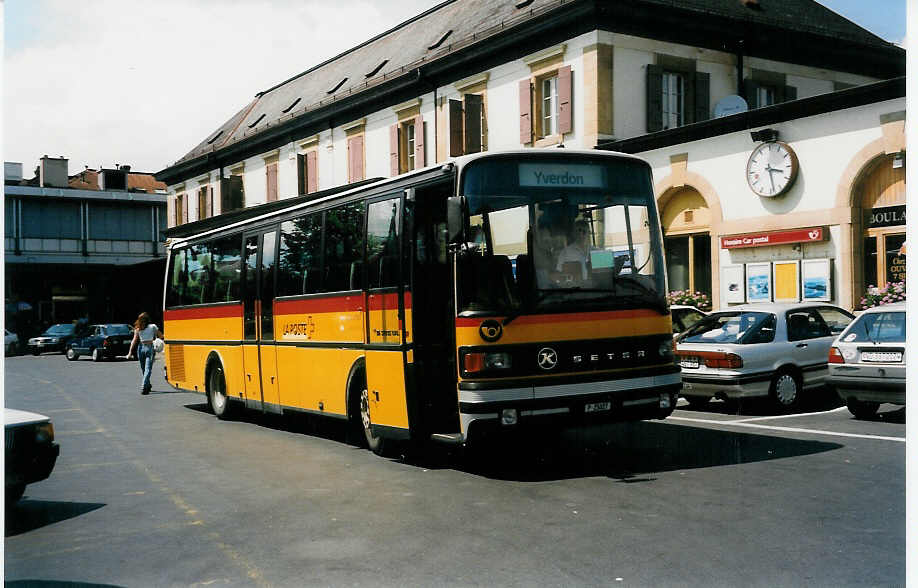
[(388, 301), (567, 318), (320, 305), (207, 312)]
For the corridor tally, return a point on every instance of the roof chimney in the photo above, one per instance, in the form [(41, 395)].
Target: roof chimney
[(12, 171), (53, 172)]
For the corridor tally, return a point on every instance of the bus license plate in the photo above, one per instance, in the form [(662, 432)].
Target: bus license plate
[(597, 407), (689, 362), (882, 356)]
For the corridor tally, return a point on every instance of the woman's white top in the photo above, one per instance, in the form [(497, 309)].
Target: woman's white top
[(148, 334)]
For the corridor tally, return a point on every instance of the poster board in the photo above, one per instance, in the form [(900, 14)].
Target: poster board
[(734, 284), (758, 282), (817, 279), (787, 281)]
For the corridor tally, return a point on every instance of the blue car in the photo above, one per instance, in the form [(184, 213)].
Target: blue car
[(101, 342)]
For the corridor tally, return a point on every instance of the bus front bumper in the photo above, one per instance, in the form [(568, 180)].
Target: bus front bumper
[(626, 399)]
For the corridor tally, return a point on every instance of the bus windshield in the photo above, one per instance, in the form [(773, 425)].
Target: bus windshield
[(558, 233)]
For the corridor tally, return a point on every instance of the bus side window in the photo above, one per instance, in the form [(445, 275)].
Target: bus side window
[(383, 243), (343, 245)]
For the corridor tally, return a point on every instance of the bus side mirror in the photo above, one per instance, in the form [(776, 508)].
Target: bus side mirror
[(455, 217)]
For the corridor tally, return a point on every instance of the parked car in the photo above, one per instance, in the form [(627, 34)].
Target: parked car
[(867, 361), (30, 450), (10, 342), (101, 342), (56, 338), (776, 350), (684, 317)]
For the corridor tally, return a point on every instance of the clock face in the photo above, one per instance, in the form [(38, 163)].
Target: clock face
[(772, 169)]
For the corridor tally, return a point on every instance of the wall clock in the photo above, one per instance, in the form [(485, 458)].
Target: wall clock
[(772, 169)]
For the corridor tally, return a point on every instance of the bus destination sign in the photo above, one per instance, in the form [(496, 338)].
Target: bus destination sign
[(547, 175)]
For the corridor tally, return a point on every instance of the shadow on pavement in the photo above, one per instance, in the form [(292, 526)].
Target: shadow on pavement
[(54, 584), (812, 401), (886, 416), (27, 515)]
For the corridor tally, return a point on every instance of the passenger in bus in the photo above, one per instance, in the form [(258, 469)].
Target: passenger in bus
[(145, 333), (573, 261)]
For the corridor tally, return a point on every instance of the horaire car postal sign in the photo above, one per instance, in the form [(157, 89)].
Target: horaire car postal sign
[(809, 235)]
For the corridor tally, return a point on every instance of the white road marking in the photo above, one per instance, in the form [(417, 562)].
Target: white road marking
[(788, 416), (784, 429)]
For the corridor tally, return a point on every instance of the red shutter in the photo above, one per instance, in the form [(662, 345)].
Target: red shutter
[(312, 172), (565, 119), (355, 158), (525, 112), (185, 208), (210, 202), (419, 161), (393, 150), (271, 171)]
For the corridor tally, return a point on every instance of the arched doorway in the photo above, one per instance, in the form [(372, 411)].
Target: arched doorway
[(880, 193), (686, 221)]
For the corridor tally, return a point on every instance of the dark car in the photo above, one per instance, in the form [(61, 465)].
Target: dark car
[(56, 338), (30, 450), (101, 342)]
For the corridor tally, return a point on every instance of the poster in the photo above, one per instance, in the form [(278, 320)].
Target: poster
[(817, 279), (734, 284), (787, 281), (758, 282)]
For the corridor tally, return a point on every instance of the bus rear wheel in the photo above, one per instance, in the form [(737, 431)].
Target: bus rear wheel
[(216, 394)]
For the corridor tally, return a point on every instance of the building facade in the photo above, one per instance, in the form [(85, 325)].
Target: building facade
[(86, 246), (473, 75)]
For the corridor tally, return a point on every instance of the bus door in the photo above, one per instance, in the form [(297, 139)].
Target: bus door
[(385, 356), (258, 351)]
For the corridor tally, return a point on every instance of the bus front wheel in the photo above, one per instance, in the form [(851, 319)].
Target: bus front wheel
[(216, 394)]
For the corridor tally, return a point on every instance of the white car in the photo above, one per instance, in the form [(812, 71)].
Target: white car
[(776, 350), (10, 342), (30, 450)]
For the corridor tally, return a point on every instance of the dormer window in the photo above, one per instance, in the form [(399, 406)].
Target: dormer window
[(335, 89), (257, 120), (377, 68), (215, 137), (442, 39), (289, 108), (523, 3)]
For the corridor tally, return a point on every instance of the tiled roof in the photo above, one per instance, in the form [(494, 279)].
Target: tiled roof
[(136, 182), (414, 43)]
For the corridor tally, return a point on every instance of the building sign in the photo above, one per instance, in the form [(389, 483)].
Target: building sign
[(810, 235), (895, 266), (888, 216)]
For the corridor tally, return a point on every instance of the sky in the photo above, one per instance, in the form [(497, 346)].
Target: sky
[(140, 83)]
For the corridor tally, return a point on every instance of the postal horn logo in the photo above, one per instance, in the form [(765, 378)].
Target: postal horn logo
[(490, 330)]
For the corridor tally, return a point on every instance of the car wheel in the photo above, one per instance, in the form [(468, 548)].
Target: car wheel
[(697, 401), (785, 390), (71, 354), (862, 410), (216, 394), (97, 354)]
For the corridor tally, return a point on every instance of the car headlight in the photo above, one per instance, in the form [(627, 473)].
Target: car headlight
[(44, 433)]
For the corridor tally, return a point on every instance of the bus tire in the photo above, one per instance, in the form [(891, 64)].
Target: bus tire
[(220, 404), (376, 444)]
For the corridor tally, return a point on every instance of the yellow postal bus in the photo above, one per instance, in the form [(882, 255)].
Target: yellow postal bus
[(497, 291)]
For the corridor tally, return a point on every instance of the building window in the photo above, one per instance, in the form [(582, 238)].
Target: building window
[(307, 171), (547, 100), (549, 103), (181, 211), (232, 193), (467, 125), (676, 95), (406, 145), (767, 88), (205, 202)]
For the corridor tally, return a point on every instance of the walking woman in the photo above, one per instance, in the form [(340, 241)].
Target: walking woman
[(144, 334)]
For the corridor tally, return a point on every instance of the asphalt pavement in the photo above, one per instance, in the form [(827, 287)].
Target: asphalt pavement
[(155, 491)]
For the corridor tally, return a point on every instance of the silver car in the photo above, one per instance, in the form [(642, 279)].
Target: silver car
[(756, 350), (867, 361)]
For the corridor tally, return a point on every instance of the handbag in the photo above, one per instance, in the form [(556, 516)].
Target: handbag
[(158, 345)]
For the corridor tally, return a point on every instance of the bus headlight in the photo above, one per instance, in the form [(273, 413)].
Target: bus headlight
[(480, 361)]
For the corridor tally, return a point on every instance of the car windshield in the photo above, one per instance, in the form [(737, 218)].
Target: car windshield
[(117, 330), (877, 327), (59, 330), (559, 233), (732, 327)]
